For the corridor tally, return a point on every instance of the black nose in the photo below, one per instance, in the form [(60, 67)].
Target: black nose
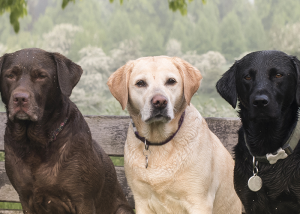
[(159, 101), (261, 101), (20, 98)]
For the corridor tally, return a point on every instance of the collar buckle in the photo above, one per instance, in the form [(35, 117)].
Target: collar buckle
[(146, 146), (288, 150)]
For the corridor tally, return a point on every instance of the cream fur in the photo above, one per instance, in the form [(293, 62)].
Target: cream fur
[(193, 173)]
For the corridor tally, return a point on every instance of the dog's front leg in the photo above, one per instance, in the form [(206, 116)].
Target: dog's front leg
[(203, 209), (143, 209), (87, 207), (197, 205), (27, 209), (142, 206)]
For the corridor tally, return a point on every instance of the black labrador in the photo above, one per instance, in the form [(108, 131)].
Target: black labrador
[(267, 86), (50, 157)]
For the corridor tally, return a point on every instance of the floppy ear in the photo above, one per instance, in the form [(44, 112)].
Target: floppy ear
[(1, 62), (68, 73), (297, 66), (226, 86), (191, 78), (118, 83)]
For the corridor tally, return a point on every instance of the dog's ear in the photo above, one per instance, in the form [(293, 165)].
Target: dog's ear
[(118, 83), (226, 86), (1, 62), (191, 78), (68, 73), (297, 66)]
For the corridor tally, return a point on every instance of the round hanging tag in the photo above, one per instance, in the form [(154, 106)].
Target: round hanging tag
[(255, 183)]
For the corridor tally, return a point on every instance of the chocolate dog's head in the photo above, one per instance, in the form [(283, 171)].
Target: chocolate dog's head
[(33, 81), (265, 82)]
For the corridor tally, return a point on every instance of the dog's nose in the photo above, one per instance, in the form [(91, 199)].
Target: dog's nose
[(261, 101), (20, 98), (159, 101)]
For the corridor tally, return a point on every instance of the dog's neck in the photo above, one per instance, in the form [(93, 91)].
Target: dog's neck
[(38, 134), (267, 137), (156, 132)]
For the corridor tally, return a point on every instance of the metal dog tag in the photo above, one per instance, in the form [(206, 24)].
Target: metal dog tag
[(146, 165), (255, 183), (146, 153)]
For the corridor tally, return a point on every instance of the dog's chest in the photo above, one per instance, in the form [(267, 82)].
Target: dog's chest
[(167, 196), (280, 184), (279, 179), (163, 184), (40, 183)]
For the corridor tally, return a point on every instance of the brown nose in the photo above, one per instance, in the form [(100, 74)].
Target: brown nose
[(20, 98), (159, 101)]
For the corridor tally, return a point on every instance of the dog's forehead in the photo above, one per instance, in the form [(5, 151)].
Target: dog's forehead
[(154, 65), (29, 58), (264, 60)]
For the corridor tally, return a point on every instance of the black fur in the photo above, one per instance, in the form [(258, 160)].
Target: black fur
[(268, 105)]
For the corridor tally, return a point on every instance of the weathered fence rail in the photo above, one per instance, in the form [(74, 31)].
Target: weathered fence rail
[(110, 132)]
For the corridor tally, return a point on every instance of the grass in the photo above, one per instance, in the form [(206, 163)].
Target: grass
[(118, 161), (10, 206), (2, 156)]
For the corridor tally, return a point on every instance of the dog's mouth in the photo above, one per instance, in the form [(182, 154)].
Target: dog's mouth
[(263, 117), (21, 114), (159, 117)]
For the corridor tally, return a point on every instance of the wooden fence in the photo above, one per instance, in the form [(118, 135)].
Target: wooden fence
[(110, 132)]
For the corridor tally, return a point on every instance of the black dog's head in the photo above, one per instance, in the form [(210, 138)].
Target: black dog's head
[(265, 82), (32, 81)]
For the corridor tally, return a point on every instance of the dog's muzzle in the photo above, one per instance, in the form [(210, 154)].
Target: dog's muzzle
[(159, 109), (21, 106)]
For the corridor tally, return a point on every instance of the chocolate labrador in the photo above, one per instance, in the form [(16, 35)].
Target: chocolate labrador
[(267, 156), (50, 157)]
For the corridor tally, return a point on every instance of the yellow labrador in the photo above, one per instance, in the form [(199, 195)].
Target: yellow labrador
[(183, 167)]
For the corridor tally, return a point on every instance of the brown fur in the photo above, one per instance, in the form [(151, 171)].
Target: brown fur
[(71, 174)]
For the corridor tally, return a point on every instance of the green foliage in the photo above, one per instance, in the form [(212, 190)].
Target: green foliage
[(286, 38), (211, 107), (174, 5), (16, 8), (102, 37), (66, 2), (255, 34), (179, 5), (274, 13), (232, 38)]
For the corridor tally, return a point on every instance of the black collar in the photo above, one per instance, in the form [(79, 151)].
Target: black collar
[(148, 143), (54, 134), (282, 152), (58, 130)]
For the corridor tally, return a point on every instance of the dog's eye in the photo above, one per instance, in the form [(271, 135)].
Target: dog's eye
[(41, 76), (141, 83), (278, 75), (10, 76), (171, 81), (247, 77)]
